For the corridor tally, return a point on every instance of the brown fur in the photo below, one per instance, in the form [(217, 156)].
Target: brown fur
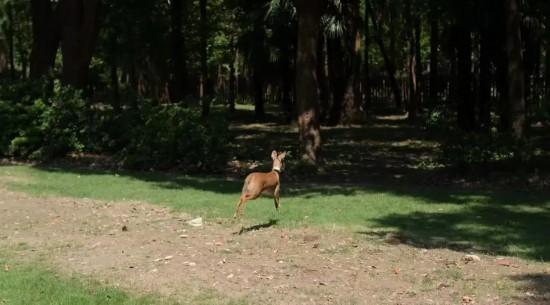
[(258, 183)]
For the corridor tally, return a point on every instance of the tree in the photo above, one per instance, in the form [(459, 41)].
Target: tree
[(204, 81), (516, 73), (79, 30), (45, 37), (307, 96), (177, 84)]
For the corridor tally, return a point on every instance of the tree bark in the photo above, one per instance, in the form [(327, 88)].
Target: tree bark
[(366, 70), (352, 41), (307, 95), (45, 40), (79, 30), (115, 88), (337, 75), (466, 105), (11, 36), (324, 91), (232, 78), (177, 82), (516, 73), (203, 86), (434, 57), (258, 61), (484, 96)]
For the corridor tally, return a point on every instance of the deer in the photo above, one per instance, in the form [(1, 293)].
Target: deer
[(258, 183)]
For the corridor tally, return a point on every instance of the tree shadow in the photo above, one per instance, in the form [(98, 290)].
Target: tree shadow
[(536, 287), (269, 224), (489, 228)]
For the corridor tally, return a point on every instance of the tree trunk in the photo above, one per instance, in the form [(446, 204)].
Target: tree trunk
[(177, 82), (484, 80), (388, 62), (366, 70), (547, 70), (258, 61), (516, 73), (115, 88), (324, 92), (287, 84), (307, 96), (337, 75), (45, 37), (232, 78), (352, 41), (79, 29), (434, 57), (418, 61), (203, 85), (466, 106), (11, 36)]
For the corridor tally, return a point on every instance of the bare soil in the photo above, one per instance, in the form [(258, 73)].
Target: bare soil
[(145, 248)]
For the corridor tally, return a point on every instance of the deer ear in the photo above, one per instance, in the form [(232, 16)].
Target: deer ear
[(274, 154), (282, 155)]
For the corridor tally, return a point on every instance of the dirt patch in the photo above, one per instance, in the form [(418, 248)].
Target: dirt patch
[(150, 249)]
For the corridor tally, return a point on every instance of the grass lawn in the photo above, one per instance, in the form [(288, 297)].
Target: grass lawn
[(498, 222), (24, 283)]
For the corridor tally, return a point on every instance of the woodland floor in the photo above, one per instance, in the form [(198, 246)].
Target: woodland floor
[(145, 248)]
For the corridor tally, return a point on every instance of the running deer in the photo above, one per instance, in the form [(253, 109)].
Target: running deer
[(256, 184)]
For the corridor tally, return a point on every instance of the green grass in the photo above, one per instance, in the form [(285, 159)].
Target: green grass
[(500, 222), (30, 283)]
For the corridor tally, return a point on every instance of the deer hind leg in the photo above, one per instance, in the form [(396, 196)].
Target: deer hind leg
[(237, 207)]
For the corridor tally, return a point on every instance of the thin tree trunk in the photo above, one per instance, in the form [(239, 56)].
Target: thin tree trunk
[(232, 78), (11, 36), (258, 61), (547, 69), (484, 80), (466, 110), (307, 96), (434, 57), (366, 70), (418, 57), (177, 83), (337, 75), (287, 84), (203, 86), (516, 73), (115, 88), (324, 91)]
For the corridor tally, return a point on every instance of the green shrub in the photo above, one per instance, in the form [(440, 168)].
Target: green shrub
[(40, 125), (49, 127), (173, 136)]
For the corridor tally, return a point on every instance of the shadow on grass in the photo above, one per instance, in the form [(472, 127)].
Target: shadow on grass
[(536, 287), (490, 228)]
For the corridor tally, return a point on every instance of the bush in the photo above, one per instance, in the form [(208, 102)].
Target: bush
[(40, 124), (49, 127), (472, 150), (173, 136)]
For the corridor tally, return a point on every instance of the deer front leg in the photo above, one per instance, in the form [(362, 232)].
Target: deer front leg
[(276, 196)]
